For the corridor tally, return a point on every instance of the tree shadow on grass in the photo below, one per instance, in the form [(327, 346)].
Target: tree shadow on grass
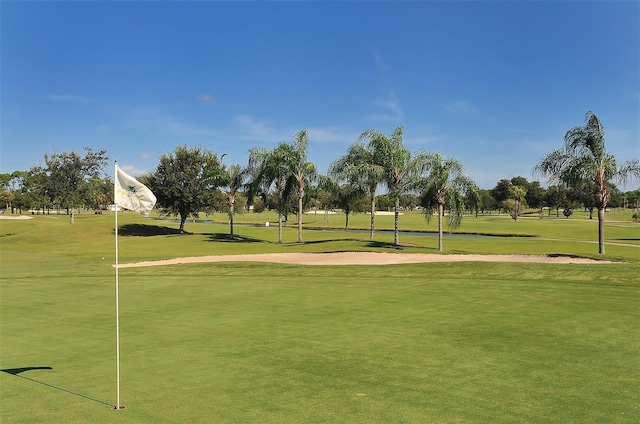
[(385, 245), (319, 241), (145, 230), (226, 237), (18, 373)]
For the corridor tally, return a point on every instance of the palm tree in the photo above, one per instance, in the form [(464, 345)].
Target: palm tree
[(267, 167), (584, 159), (303, 172), (517, 193), (359, 168), (446, 186), (346, 195), (402, 169), (234, 179)]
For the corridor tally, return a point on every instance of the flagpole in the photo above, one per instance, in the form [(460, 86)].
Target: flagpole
[(115, 176), (131, 194)]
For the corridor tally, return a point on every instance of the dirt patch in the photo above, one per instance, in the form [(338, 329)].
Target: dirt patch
[(364, 258)]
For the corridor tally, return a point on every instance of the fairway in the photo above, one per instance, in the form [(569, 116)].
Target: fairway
[(284, 343)]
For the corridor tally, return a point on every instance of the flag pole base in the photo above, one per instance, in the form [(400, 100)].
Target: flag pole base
[(118, 407)]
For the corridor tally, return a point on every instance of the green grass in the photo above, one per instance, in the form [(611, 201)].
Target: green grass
[(238, 343)]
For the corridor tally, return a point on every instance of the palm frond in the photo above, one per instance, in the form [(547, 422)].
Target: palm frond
[(629, 170)]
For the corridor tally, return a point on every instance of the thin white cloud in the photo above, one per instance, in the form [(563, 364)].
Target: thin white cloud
[(331, 135), (380, 63), (253, 128), (66, 98), (250, 128), (391, 105), (458, 107), (208, 98), (422, 141), (387, 100), (153, 119), (132, 170)]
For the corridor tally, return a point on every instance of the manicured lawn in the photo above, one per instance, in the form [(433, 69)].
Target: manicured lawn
[(237, 343)]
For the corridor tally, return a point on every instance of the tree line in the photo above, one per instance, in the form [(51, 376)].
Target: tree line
[(192, 180)]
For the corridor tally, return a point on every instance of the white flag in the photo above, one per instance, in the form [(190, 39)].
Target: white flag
[(131, 194)]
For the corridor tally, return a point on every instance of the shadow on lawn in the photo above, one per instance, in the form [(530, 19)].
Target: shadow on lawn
[(144, 230), (383, 245), (319, 241), (18, 373), (226, 237)]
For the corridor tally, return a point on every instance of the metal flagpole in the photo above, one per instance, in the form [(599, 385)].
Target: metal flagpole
[(117, 294)]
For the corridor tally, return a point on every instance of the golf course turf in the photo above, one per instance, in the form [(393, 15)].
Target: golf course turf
[(238, 342)]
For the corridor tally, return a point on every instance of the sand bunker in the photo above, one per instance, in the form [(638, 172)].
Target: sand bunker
[(364, 258), (15, 217)]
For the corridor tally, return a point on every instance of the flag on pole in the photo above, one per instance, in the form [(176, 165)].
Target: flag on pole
[(131, 194)]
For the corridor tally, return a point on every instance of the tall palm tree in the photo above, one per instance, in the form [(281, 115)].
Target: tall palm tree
[(358, 167), (235, 179), (517, 193), (303, 171), (446, 187), (270, 167), (584, 159), (402, 169)]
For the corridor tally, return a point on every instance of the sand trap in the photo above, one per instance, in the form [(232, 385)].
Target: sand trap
[(15, 217), (364, 258)]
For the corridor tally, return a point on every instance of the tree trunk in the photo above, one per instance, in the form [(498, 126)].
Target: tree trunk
[(232, 200), (396, 213), (346, 220), (300, 219), (440, 216), (373, 214), (183, 219), (601, 230)]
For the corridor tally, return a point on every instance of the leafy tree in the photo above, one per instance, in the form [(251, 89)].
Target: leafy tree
[(617, 198), (632, 199), (585, 194), (472, 200), (535, 195), (445, 187), (556, 197), (501, 191), (584, 158), (359, 167), (384, 202), (519, 181), (98, 191), (258, 205), (347, 196), (402, 169), (4, 181), (409, 201), (6, 198), (486, 201), (182, 182), (66, 174)]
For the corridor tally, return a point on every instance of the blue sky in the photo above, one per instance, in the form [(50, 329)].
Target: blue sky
[(494, 84)]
